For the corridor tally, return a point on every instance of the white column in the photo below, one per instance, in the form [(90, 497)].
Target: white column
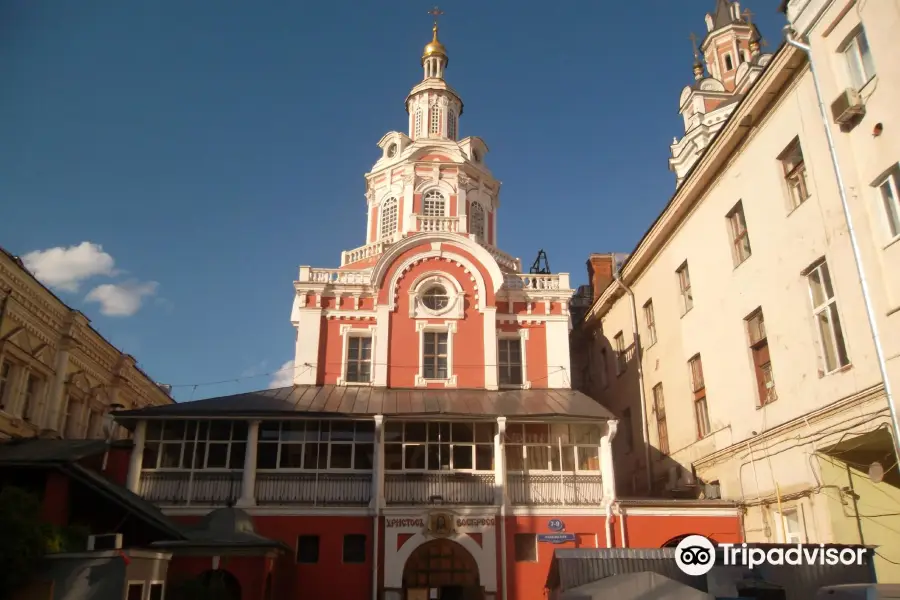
[(462, 208), (500, 463), (306, 356), (607, 465), (133, 481), (378, 467), (558, 360), (369, 238), (409, 213), (490, 346), (248, 485), (382, 339)]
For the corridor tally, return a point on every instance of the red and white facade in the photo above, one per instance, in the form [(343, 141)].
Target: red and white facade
[(431, 420)]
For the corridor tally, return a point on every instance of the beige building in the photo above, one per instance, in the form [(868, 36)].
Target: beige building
[(58, 376), (737, 349)]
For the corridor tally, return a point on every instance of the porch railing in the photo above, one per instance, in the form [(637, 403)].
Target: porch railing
[(537, 490), (334, 489), (451, 488), (183, 487)]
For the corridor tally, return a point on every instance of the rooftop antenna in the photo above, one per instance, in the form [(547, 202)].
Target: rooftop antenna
[(541, 265)]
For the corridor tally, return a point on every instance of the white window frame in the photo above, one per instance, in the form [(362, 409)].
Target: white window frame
[(193, 441), (403, 443), (889, 208), (650, 321), (140, 582), (347, 331), (434, 195), (683, 273), (522, 336), (781, 525), (455, 308), (387, 233), (451, 124), (795, 174), (741, 248), (830, 305), (855, 62), (552, 448), (153, 582), (434, 127), (478, 227), (280, 442), (727, 58), (448, 327), (417, 125)]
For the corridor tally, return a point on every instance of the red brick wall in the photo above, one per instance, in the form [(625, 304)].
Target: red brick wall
[(600, 273)]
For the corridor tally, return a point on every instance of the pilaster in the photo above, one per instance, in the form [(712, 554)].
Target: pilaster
[(500, 463), (558, 357), (306, 356), (133, 482), (382, 335), (378, 467), (248, 482), (607, 464), (490, 347)]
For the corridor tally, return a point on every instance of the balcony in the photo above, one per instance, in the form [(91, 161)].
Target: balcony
[(313, 489), (363, 252), (531, 281), (181, 488), (437, 224), (552, 489), (451, 488)]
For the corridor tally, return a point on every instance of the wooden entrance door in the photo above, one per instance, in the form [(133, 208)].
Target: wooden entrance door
[(444, 566)]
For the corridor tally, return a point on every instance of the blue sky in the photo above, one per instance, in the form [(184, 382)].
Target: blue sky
[(210, 147)]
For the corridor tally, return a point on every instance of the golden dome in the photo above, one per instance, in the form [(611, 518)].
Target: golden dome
[(435, 47)]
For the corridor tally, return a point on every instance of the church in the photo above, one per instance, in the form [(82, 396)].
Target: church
[(431, 445)]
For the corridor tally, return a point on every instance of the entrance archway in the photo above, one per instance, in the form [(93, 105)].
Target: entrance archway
[(445, 566)]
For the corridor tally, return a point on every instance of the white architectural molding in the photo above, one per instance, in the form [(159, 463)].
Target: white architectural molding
[(347, 331), (490, 349), (485, 555), (456, 296), (470, 269), (352, 315), (384, 264), (522, 336), (380, 345), (558, 357), (136, 461), (448, 327), (248, 479), (306, 356), (607, 464)]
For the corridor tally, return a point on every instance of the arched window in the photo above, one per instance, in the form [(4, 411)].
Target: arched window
[(388, 217), (418, 123), (433, 204), (435, 119), (477, 221), (451, 125), (728, 64)]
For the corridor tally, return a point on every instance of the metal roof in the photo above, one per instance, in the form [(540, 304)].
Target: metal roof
[(360, 401), (34, 451)]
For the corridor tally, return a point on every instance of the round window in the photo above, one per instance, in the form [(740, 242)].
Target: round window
[(435, 298), (392, 150)]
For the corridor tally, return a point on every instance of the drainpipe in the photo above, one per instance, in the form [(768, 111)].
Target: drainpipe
[(609, 525), (620, 512), (870, 312), (638, 360)]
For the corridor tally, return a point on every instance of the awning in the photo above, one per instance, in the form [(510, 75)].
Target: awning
[(352, 401)]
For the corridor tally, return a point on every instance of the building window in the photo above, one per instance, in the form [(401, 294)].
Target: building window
[(510, 361), (729, 64), (451, 125), (5, 373), (740, 239), (526, 547), (354, 548), (359, 359), (651, 322), (195, 445), (477, 221), (156, 591), (832, 348), (389, 218), (418, 123), (604, 368), (762, 363), (791, 526), (890, 200), (316, 445), (684, 285), (627, 430), (438, 446), (698, 389), (794, 169), (435, 120), (858, 58), (436, 298), (135, 591), (435, 355), (620, 353), (541, 447), (433, 204), (308, 549), (31, 396), (659, 407)]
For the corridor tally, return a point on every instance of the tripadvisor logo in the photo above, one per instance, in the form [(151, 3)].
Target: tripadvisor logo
[(696, 555)]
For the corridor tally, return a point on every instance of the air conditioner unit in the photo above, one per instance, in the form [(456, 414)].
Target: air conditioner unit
[(848, 107), (106, 541)]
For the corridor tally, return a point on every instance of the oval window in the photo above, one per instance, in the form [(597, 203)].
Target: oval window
[(435, 298)]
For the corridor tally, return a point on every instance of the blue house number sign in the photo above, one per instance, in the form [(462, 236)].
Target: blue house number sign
[(556, 525)]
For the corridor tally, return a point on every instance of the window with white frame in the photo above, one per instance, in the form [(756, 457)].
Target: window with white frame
[(418, 123), (389, 217), (316, 445), (438, 446), (477, 221), (740, 238), (5, 379), (433, 204), (650, 319), (790, 524), (156, 591), (435, 120), (662, 426), (509, 361), (833, 349), (794, 168), (542, 447), (359, 359), (858, 58), (890, 201), (729, 64), (451, 125), (435, 354), (684, 285), (195, 445)]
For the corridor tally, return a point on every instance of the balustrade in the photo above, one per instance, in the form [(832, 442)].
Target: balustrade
[(186, 487), (336, 276), (334, 489), (451, 488), (442, 224), (364, 252), (503, 259), (569, 489), (531, 281)]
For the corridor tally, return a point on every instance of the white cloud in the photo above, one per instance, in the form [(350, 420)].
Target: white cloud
[(121, 299), (65, 268), (284, 377)]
